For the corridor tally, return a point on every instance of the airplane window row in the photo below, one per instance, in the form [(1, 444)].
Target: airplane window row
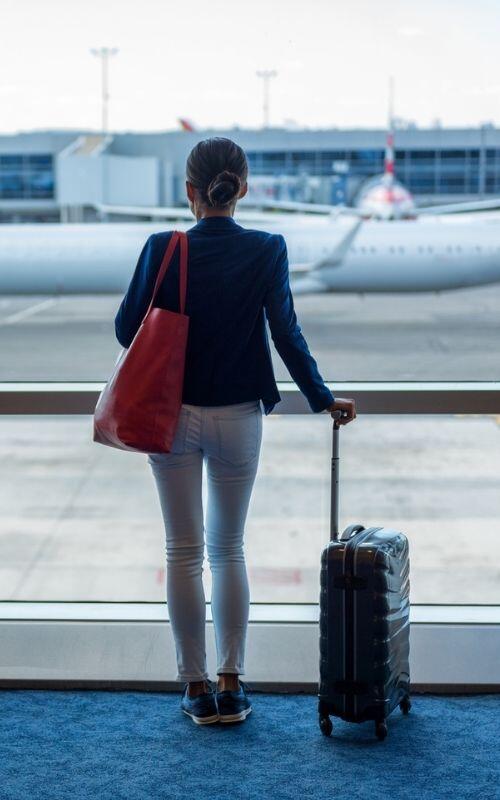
[(425, 249)]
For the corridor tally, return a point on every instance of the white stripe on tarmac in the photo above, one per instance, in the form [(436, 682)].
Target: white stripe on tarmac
[(27, 312)]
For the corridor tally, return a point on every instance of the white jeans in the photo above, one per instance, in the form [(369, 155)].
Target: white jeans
[(228, 439)]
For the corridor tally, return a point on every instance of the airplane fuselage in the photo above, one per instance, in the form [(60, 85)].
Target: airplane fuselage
[(428, 254)]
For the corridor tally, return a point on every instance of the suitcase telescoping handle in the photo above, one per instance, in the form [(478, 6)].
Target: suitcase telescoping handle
[(334, 501)]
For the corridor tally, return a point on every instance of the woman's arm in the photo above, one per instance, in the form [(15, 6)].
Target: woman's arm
[(137, 298), (288, 338)]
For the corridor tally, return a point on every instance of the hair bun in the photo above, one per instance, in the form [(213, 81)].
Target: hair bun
[(223, 188)]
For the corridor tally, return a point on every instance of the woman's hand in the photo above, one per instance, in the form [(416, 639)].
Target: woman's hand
[(346, 406)]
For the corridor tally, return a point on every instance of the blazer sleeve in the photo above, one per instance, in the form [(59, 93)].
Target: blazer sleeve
[(138, 295), (288, 338)]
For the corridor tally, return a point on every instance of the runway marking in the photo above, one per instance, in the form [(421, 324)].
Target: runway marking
[(276, 575), (27, 312)]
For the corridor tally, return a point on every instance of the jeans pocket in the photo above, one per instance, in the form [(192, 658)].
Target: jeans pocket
[(238, 437)]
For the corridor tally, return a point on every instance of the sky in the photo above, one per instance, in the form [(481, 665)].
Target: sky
[(198, 59)]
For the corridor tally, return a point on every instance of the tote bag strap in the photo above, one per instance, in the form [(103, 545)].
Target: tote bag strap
[(183, 269), (176, 236)]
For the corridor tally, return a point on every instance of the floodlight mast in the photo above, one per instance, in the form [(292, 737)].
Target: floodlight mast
[(104, 53), (266, 75)]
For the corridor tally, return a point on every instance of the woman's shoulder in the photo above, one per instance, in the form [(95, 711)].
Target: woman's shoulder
[(274, 241), (158, 242), (161, 236)]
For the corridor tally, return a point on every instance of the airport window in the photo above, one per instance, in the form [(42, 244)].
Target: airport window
[(11, 186), (13, 161), (420, 186), (472, 181), (277, 159), (450, 155), (366, 155), (40, 161), (452, 185), (492, 183), (302, 157), (255, 161), (108, 545), (25, 177), (421, 179), (422, 155), (328, 156), (492, 161)]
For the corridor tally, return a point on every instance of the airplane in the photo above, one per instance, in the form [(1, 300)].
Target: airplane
[(368, 247), (384, 197), (187, 124), (325, 254)]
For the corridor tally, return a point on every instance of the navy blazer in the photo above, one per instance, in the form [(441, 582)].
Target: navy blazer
[(236, 278)]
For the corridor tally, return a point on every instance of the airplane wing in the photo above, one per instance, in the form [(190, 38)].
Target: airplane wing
[(299, 268), (309, 284), (335, 257), (313, 281), (313, 208), (460, 208), (183, 213), (317, 208), (165, 212)]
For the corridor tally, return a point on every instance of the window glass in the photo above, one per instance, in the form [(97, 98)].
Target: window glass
[(79, 521)]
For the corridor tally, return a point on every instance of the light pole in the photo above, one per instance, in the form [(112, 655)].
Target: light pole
[(266, 75), (104, 53)]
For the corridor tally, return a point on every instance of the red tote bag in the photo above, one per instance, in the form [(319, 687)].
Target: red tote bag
[(139, 407)]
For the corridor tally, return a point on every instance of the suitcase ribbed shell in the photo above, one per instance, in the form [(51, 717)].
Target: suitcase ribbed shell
[(364, 625)]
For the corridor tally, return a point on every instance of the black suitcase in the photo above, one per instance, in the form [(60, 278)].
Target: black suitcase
[(364, 620)]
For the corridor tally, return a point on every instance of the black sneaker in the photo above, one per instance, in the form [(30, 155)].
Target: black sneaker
[(233, 706), (203, 708)]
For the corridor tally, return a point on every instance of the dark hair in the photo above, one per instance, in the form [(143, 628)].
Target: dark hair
[(217, 167)]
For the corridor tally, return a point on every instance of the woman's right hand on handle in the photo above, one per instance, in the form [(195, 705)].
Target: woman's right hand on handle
[(346, 406)]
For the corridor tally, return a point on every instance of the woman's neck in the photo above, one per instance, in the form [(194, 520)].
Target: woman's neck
[(202, 213)]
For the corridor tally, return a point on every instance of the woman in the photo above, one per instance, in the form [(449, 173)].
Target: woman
[(236, 278)]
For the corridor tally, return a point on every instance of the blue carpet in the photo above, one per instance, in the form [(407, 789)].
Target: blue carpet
[(102, 745)]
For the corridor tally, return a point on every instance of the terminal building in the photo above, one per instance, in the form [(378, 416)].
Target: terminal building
[(65, 174)]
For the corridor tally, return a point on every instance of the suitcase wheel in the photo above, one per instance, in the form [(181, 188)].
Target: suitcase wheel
[(326, 726), (405, 705), (381, 730)]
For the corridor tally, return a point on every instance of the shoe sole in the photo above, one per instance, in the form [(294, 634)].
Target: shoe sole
[(202, 720), (235, 717)]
